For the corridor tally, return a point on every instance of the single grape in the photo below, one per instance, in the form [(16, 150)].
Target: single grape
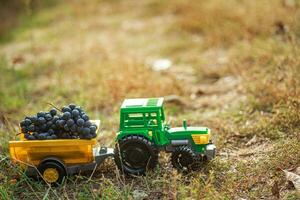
[(75, 113), (48, 117), (40, 114), (57, 123), (49, 124), (66, 127), (87, 124), (53, 112), (53, 127), (86, 131), (70, 122), (93, 129), (33, 119), (61, 123), (55, 118), (27, 122), (73, 128), (51, 131), (66, 109), (80, 122), (31, 128), (76, 118), (80, 130), (79, 108), (72, 106), (85, 117), (66, 115), (23, 123), (41, 120)]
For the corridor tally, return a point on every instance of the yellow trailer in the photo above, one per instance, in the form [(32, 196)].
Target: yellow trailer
[(53, 160)]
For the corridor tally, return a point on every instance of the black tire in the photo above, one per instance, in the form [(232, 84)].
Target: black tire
[(52, 165), (185, 159), (135, 155)]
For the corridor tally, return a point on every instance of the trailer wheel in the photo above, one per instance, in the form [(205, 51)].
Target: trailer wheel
[(52, 172), (185, 159), (135, 155)]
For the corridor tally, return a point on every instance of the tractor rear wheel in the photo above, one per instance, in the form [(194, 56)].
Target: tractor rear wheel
[(135, 155), (185, 159)]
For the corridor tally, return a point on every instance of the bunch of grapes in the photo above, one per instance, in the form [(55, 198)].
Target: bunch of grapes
[(71, 123)]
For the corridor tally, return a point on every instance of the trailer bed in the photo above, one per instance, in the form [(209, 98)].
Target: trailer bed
[(71, 151)]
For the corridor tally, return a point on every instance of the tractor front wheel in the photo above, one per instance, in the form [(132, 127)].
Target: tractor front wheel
[(135, 155), (185, 159)]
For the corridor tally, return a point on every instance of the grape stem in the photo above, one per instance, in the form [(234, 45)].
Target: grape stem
[(51, 104)]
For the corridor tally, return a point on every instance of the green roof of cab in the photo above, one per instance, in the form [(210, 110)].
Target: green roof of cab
[(142, 103)]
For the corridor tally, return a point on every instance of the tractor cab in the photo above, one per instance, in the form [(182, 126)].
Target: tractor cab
[(144, 116), (142, 113)]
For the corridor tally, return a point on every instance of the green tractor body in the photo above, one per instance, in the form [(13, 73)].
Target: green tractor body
[(143, 121)]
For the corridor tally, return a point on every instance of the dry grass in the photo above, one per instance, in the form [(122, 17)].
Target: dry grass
[(235, 67), (225, 22)]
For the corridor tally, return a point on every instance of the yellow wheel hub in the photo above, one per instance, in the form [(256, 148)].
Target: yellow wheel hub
[(51, 175)]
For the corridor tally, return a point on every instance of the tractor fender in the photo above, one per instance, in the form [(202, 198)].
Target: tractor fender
[(145, 134)]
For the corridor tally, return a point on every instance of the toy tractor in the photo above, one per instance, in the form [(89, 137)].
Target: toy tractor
[(144, 132)]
